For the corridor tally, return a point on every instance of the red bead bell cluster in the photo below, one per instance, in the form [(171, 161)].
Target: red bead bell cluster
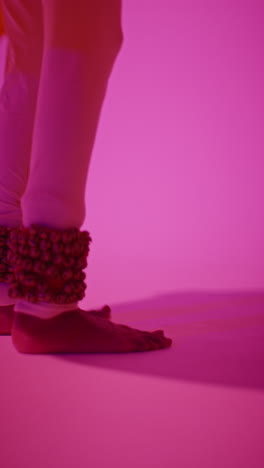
[(6, 275), (47, 264)]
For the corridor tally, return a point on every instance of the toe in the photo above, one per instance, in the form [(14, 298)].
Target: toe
[(168, 342), (158, 332), (105, 312)]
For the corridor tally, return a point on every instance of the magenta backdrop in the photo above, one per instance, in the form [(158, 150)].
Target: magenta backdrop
[(175, 188), (174, 202)]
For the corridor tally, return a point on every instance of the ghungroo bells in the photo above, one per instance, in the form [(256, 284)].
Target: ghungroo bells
[(6, 274), (45, 264)]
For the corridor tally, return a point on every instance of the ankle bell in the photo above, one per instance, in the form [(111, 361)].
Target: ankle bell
[(47, 264)]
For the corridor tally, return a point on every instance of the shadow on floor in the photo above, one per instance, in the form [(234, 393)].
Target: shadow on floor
[(218, 338)]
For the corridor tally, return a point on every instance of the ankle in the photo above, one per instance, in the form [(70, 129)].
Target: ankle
[(43, 310)]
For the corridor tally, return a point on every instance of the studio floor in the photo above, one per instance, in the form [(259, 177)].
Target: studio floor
[(197, 404)]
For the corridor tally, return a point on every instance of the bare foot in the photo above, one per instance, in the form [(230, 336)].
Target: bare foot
[(79, 332), (7, 316)]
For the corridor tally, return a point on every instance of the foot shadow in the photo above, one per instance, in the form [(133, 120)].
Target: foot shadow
[(218, 338)]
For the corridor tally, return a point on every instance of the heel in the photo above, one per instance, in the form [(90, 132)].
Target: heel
[(6, 319)]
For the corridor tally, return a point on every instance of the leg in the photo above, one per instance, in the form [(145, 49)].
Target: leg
[(23, 26), (77, 62), (18, 98), (79, 54), (78, 57)]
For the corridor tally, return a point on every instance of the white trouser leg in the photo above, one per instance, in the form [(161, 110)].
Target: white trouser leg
[(78, 56)]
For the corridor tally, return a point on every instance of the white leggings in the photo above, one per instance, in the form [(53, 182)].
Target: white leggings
[(60, 58)]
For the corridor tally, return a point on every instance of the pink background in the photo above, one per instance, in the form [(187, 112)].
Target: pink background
[(174, 206), (175, 188), (175, 192)]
